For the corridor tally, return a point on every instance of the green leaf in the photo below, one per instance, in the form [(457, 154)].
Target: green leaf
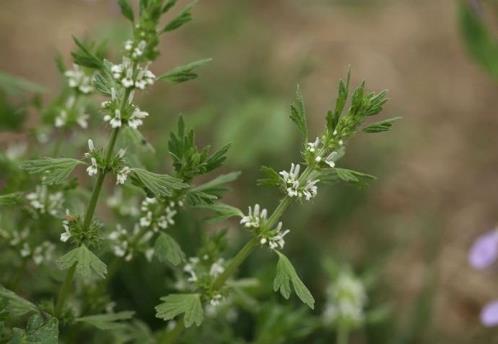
[(167, 249), (42, 331), (126, 9), (109, 321), (217, 159), (270, 177), (185, 72), (176, 304), (10, 199), (298, 114), (84, 57), (352, 176), (88, 265), (479, 39), (223, 211), (381, 126), (218, 182), (287, 276), (14, 85), (55, 170), (16, 305), (183, 17), (168, 5), (159, 184), (342, 97)]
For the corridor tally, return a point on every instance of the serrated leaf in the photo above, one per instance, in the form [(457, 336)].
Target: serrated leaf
[(16, 305), (109, 321), (298, 114), (55, 170), (182, 18), (270, 177), (84, 57), (222, 210), (287, 276), (88, 265), (217, 158), (167, 249), (10, 199), (184, 73), (176, 304), (342, 97), (126, 9), (381, 126), (168, 5), (42, 330), (218, 182), (159, 184), (352, 176)]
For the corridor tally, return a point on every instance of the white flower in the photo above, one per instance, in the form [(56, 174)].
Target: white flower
[(190, 267), (128, 45), (25, 250), (217, 268), (310, 190), (276, 238), (91, 146), (44, 202), (313, 146), (123, 175), (136, 118), (115, 121), (291, 180), (331, 158), (255, 218), (61, 119), (76, 78), (43, 252), (216, 300), (93, 168), (119, 239), (149, 253)]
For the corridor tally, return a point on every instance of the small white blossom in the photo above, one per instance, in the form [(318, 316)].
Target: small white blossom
[(313, 146), (216, 300), (294, 187), (310, 189), (76, 78), (25, 250), (255, 218), (45, 202), (217, 268), (61, 119), (119, 241), (93, 168), (122, 175), (189, 268), (276, 238), (43, 252), (136, 118), (331, 158)]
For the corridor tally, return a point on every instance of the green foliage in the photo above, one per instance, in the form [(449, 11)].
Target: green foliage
[(270, 177), (16, 305), (14, 85), (298, 114), (184, 73), (10, 199), (176, 304), (126, 9), (167, 249), (346, 175), (53, 170), (287, 276), (381, 126), (41, 329), (479, 39), (210, 191), (160, 185), (84, 56), (107, 322), (88, 265), (342, 97), (182, 18), (188, 159), (223, 211)]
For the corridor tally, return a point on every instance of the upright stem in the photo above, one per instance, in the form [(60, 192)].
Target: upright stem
[(342, 335), (64, 291)]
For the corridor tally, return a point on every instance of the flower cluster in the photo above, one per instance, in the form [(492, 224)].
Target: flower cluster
[(132, 116), (346, 301), (92, 155), (275, 238), (124, 245), (254, 219), (71, 113), (130, 75), (156, 216), (294, 187), (45, 202), (316, 150), (77, 79), (40, 253), (135, 50)]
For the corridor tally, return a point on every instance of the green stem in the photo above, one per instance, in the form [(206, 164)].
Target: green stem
[(172, 336), (64, 291), (235, 262), (246, 250), (342, 335)]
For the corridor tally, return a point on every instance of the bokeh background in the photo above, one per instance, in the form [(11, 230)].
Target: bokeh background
[(437, 170)]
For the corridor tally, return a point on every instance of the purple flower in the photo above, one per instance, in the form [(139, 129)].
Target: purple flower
[(489, 314), (484, 251)]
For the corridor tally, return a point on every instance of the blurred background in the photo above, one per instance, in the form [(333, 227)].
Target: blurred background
[(437, 170)]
